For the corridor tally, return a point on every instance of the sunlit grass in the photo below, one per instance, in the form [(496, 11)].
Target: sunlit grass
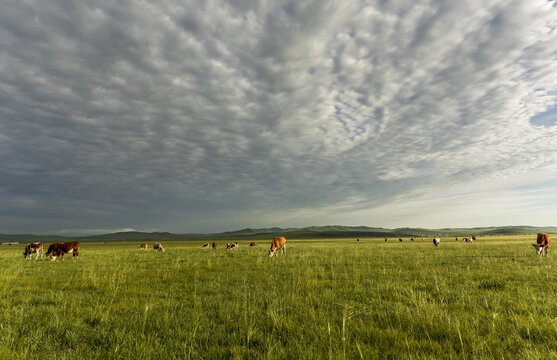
[(333, 299)]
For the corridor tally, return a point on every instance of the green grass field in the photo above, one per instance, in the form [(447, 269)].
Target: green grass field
[(335, 299)]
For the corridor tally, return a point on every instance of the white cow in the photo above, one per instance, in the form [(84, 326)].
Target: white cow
[(436, 241)]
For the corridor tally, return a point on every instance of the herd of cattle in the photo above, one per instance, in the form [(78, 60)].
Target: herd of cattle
[(54, 250), (278, 245)]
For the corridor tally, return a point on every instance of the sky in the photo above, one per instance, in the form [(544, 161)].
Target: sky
[(207, 116)]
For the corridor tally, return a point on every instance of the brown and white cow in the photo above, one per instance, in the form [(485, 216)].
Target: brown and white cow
[(467, 239), (33, 248), (143, 247), (158, 246), (542, 244), (206, 245), (436, 241), (233, 246), (278, 245), (59, 249), (214, 245), (253, 243)]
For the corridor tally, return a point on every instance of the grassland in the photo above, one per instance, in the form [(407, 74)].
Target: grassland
[(327, 299)]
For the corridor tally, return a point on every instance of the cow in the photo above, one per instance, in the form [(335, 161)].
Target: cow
[(456, 238), (358, 240), (33, 248), (143, 247), (214, 245), (436, 241), (278, 245), (59, 249), (206, 245), (400, 239), (473, 238), (467, 239), (411, 239), (542, 244), (158, 246), (385, 239), (253, 243), (232, 246)]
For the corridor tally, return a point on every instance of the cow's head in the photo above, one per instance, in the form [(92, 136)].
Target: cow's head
[(271, 252), (540, 249)]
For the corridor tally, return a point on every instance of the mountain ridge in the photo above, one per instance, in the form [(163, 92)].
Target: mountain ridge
[(308, 232)]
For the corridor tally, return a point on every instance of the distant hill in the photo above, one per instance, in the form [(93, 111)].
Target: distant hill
[(310, 232)]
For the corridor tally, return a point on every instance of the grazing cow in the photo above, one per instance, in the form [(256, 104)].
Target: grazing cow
[(214, 246), (473, 238), (278, 245), (58, 249), (467, 240), (456, 238), (33, 248), (385, 239), (411, 239), (436, 241), (253, 243), (158, 246), (143, 247), (542, 244), (357, 239), (206, 245), (399, 239), (232, 246)]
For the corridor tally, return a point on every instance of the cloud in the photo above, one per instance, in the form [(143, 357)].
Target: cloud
[(201, 115)]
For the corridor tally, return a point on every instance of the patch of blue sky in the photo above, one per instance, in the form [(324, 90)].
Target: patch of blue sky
[(547, 118)]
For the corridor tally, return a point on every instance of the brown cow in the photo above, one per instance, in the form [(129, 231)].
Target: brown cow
[(143, 247), (33, 248), (278, 245), (158, 246), (253, 243), (206, 245), (214, 245), (58, 249), (542, 244)]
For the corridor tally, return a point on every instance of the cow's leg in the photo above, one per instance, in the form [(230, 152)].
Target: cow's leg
[(76, 254)]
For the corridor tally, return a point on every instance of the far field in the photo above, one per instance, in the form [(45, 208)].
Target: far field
[(326, 299)]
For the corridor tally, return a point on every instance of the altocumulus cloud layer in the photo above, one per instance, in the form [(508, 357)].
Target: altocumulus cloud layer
[(212, 115)]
